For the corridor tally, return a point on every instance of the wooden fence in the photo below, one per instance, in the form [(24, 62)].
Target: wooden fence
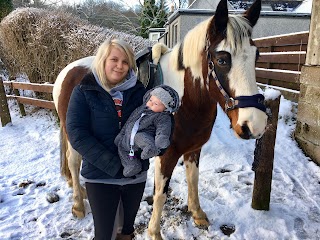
[(42, 88), (15, 94), (280, 61)]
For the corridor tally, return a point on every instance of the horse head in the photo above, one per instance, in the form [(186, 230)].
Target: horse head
[(228, 64)]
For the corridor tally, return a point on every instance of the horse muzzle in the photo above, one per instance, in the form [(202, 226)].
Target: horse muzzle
[(244, 132), (252, 129)]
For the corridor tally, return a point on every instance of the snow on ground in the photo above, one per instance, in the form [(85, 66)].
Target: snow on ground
[(29, 163)]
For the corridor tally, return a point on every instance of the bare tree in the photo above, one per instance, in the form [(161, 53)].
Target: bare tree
[(118, 15), (110, 14), (180, 3), (36, 3)]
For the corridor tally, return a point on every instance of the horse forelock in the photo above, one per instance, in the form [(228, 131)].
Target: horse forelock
[(238, 31)]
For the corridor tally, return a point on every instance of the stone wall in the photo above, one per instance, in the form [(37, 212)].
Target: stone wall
[(308, 123)]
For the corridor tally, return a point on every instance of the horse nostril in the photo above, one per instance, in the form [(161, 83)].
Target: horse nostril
[(246, 133)]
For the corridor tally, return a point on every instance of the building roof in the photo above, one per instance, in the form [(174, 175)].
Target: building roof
[(272, 5), (210, 12)]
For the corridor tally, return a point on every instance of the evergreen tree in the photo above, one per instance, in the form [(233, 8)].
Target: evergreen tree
[(6, 7), (153, 15)]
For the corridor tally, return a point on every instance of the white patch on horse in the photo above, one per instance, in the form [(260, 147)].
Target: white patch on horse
[(158, 200), (86, 62), (171, 76), (242, 80), (192, 175)]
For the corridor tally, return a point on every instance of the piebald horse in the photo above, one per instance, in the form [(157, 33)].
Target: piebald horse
[(214, 64)]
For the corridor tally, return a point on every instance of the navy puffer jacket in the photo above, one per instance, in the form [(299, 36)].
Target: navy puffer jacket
[(92, 125)]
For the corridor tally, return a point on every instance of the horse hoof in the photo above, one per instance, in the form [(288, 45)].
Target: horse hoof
[(78, 213), (202, 223)]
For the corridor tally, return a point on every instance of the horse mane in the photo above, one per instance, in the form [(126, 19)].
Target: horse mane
[(189, 52)]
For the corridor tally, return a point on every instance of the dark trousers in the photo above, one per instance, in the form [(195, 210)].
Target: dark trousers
[(104, 200)]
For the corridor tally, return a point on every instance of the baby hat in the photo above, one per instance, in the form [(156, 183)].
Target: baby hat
[(167, 96)]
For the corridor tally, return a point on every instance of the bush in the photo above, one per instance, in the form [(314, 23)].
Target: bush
[(40, 43)]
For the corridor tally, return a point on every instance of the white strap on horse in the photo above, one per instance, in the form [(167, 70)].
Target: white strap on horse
[(133, 134)]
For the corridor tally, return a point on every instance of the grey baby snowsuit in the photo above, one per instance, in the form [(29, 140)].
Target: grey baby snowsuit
[(146, 130)]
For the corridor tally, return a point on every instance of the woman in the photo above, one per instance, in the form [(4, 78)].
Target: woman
[(99, 106)]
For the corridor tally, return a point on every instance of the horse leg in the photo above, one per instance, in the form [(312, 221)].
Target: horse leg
[(160, 194), (79, 193), (191, 161)]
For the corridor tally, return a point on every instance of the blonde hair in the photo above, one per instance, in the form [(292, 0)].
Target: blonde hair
[(98, 64)]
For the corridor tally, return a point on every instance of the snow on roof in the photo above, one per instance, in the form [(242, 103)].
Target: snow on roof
[(305, 7)]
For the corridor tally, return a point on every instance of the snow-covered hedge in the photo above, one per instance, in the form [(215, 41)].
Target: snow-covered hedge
[(40, 43)]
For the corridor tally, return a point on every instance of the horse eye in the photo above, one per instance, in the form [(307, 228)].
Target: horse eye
[(221, 61)]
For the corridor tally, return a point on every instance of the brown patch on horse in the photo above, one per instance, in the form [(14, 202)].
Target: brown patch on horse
[(64, 169), (73, 78), (214, 90), (193, 157), (180, 58), (192, 128)]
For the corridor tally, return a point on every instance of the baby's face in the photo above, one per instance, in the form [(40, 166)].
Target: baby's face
[(155, 104)]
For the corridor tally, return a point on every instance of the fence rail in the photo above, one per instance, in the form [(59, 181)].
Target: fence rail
[(47, 88), (15, 94), (42, 88), (33, 101), (280, 61)]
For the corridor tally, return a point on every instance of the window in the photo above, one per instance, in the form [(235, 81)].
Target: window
[(154, 36), (175, 34)]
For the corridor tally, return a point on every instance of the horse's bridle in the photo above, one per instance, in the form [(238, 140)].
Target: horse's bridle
[(256, 101)]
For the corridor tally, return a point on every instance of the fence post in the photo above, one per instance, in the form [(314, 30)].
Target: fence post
[(263, 159), (4, 109), (21, 107)]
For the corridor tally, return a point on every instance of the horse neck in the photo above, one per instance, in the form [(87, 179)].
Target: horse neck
[(196, 94)]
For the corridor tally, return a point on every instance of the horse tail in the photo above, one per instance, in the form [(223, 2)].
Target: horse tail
[(64, 168)]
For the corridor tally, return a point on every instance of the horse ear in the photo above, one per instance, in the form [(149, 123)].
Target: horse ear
[(220, 19), (253, 13)]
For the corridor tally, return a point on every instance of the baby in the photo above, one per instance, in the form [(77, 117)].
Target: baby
[(148, 128)]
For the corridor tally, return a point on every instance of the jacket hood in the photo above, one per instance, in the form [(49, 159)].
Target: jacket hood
[(174, 104)]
